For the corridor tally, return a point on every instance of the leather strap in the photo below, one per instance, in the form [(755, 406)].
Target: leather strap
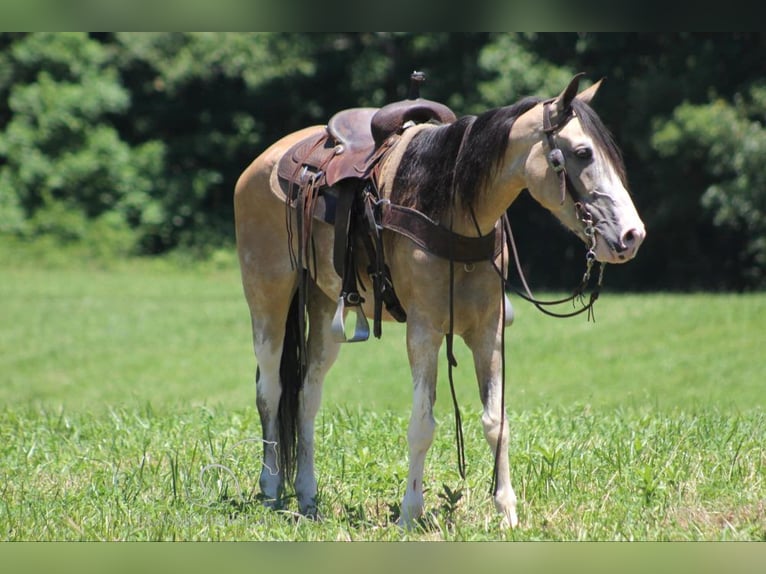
[(436, 238)]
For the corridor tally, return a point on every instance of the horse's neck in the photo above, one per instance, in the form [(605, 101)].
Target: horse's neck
[(491, 203), (506, 183)]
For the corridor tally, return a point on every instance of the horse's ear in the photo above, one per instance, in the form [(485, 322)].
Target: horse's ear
[(564, 101), (588, 94)]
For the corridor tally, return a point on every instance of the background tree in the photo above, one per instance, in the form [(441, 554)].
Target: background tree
[(138, 138), (64, 163)]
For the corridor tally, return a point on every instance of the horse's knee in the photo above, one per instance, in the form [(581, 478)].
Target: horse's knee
[(420, 434), (267, 400), (492, 424)]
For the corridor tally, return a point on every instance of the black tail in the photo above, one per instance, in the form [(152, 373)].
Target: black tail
[(291, 371)]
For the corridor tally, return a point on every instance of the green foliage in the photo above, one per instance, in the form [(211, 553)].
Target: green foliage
[(200, 93), (729, 144), (125, 417), (64, 162), (136, 474), (182, 58), (517, 71)]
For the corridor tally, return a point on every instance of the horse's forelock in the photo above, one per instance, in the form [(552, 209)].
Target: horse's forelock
[(593, 126)]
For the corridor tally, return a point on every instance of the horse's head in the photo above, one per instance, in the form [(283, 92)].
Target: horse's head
[(574, 170)]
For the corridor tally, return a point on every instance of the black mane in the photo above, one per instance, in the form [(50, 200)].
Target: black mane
[(463, 154)]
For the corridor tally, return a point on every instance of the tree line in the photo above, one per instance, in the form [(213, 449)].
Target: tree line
[(135, 140)]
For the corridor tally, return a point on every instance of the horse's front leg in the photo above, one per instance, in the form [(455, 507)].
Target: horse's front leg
[(322, 352), (423, 349), (486, 345)]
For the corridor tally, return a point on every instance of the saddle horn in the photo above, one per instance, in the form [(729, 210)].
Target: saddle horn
[(416, 78), (391, 118)]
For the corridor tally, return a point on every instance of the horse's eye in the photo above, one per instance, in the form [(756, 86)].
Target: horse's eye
[(584, 153)]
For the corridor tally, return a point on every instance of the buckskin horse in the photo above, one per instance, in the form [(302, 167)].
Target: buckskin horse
[(405, 204)]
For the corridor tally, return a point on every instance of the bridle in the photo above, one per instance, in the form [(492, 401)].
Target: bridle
[(557, 162)]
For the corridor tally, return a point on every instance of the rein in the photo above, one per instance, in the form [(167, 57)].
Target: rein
[(451, 360), (578, 293)]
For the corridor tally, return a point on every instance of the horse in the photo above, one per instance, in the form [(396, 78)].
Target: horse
[(461, 175)]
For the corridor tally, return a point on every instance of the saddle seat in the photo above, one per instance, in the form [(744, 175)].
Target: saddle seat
[(351, 129)]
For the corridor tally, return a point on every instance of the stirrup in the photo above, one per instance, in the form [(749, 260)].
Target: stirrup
[(361, 326)]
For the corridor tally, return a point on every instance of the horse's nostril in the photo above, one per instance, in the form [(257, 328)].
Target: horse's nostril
[(631, 239)]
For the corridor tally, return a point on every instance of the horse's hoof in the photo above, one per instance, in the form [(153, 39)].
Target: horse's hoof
[(510, 521), (311, 513), (409, 522)]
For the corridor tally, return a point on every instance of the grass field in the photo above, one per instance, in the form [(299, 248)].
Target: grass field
[(127, 413)]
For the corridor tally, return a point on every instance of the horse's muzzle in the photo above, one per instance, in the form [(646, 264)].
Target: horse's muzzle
[(622, 249)]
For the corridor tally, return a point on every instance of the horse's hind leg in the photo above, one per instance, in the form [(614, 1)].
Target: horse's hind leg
[(270, 309), (268, 322), (322, 352), (486, 346)]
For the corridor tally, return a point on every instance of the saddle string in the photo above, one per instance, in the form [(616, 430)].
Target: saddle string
[(304, 204), (299, 203), (382, 285)]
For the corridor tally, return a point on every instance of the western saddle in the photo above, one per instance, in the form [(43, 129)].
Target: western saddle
[(330, 176)]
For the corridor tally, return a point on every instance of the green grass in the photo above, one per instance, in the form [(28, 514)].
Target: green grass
[(128, 414), (581, 475)]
